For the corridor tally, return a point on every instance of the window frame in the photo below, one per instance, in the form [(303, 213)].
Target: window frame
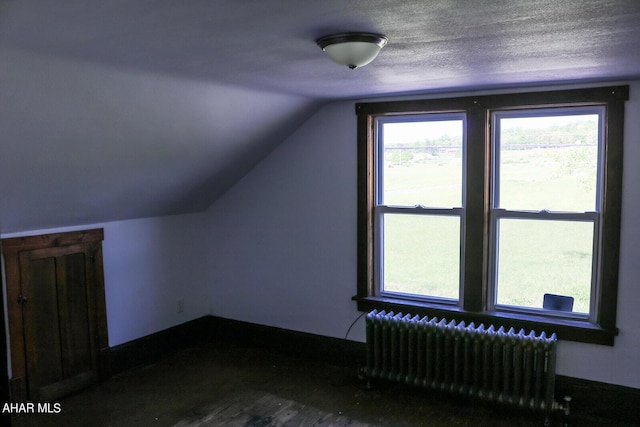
[(474, 301)]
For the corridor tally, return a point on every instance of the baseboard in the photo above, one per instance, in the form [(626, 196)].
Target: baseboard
[(330, 350), (597, 403), (154, 347), (205, 329), (593, 403)]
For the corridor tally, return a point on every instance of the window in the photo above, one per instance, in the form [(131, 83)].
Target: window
[(418, 207), (482, 207)]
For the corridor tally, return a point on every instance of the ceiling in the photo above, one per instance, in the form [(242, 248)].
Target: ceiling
[(115, 109)]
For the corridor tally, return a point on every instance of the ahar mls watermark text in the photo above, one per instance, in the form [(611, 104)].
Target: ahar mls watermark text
[(32, 408)]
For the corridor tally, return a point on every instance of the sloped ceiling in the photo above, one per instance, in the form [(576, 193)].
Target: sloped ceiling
[(118, 109)]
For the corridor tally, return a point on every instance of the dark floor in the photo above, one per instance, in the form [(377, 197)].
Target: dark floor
[(221, 384)]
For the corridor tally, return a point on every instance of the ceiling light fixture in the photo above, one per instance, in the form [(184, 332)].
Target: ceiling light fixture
[(352, 49)]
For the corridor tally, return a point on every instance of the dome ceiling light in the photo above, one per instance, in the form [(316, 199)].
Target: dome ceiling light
[(352, 49)]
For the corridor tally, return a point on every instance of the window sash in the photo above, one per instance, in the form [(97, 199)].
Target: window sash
[(497, 213), (496, 142), (378, 137), (588, 217), (380, 209), (380, 212)]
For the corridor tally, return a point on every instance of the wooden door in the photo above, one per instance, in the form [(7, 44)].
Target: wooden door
[(58, 330), (57, 316)]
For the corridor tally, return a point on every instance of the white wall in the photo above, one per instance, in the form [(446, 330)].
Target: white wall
[(283, 244), (148, 264), (282, 241)]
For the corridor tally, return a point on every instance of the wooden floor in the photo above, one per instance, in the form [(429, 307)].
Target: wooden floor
[(220, 384)]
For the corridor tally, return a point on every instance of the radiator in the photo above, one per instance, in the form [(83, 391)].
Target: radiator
[(508, 367)]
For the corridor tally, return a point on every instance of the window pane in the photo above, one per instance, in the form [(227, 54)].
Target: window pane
[(537, 257), (548, 163), (422, 163), (422, 255)]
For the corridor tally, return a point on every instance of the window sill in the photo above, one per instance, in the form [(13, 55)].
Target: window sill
[(565, 329)]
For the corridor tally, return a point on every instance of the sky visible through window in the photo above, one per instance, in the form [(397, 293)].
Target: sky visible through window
[(407, 133)]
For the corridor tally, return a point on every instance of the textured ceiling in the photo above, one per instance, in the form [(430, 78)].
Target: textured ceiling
[(269, 44), (118, 109)]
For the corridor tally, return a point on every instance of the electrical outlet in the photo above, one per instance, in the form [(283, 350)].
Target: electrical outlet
[(180, 305)]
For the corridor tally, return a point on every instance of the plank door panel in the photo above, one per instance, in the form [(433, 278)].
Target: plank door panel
[(75, 333), (40, 317)]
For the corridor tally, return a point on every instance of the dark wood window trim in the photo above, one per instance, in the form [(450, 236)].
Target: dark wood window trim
[(478, 109)]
